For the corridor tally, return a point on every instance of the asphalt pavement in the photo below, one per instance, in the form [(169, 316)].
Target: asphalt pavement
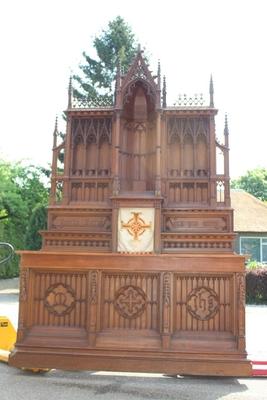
[(80, 385)]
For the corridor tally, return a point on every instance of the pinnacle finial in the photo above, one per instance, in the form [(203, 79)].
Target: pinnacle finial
[(164, 93), (70, 93), (159, 68), (159, 74), (211, 92), (118, 78), (118, 73), (55, 133), (139, 49), (226, 129), (56, 121)]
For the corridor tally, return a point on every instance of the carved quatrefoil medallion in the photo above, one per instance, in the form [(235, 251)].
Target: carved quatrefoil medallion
[(202, 303), (59, 299), (130, 301)]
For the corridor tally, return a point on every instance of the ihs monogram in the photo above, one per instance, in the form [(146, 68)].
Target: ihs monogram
[(136, 226)]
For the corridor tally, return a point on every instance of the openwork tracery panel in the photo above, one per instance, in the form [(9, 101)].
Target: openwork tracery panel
[(93, 130), (130, 301), (202, 303), (180, 127), (60, 299)]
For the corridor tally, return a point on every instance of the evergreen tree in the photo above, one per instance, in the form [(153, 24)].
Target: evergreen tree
[(116, 43)]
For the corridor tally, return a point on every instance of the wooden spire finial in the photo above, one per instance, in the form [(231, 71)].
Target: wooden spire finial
[(211, 92), (118, 79), (118, 72), (55, 133), (164, 93), (159, 74), (70, 93), (226, 129)]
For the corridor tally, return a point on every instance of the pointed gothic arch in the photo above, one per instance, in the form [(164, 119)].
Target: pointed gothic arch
[(188, 155), (201, 155), (78, 155), (174, 156)]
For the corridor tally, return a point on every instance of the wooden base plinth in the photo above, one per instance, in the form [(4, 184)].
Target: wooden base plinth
[(161, 363), (174, 314)]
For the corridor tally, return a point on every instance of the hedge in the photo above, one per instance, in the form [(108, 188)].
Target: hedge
[(256, 286)]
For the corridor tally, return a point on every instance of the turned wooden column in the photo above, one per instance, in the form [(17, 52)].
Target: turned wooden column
[(116, 154), (157, 233), (158, 155), (212, 166), (67, 166), (167, 309), (54, 170), (226, 167)]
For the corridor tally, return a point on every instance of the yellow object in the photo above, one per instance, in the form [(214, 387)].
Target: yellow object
[(7, 338), (4, 354), (7, 334)]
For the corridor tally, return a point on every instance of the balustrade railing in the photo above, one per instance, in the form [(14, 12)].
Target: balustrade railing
[(100, 101), (189, 101)]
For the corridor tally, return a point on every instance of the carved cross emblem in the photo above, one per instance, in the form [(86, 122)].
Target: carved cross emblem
[(130, 301), (136, 226)]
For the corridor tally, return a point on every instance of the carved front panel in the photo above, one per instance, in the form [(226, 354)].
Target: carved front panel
[(130, 301), (59, 299), (202, 303), (195, 224), (82, 223)]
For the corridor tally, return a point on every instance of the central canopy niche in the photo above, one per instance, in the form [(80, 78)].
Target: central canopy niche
[(137, 141)]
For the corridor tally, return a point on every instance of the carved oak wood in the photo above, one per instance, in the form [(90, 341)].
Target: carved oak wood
[(178, 308)]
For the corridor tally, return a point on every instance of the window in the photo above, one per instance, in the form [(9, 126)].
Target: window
[(256, 247), (264, 250)]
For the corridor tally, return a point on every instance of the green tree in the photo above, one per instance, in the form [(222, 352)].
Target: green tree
[(254, 182), (115, 43), (37, 222), (22, 189)]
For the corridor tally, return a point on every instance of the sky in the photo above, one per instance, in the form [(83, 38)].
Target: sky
[(42, 42)]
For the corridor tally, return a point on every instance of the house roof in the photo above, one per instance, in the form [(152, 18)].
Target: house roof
[(250, 214)]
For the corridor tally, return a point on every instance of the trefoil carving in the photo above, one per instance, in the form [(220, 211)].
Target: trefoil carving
[(59, 299)]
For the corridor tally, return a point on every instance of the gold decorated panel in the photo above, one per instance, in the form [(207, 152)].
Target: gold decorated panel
[(59, 299), (130, 301), (203, 303)]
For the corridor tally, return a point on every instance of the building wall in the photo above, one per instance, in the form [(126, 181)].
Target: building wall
[(260, 238)]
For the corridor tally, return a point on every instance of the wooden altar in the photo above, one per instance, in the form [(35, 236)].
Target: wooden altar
[(137, 271)]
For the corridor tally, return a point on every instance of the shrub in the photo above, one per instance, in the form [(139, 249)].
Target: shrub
[(256, 286), (253, 264)]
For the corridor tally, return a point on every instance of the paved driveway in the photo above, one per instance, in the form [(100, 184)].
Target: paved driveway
[(64, 385)]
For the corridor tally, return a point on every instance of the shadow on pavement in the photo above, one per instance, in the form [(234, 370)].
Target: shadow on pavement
[(119, 386)]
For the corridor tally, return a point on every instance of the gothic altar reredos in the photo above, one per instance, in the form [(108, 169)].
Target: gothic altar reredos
[(137, 270)]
